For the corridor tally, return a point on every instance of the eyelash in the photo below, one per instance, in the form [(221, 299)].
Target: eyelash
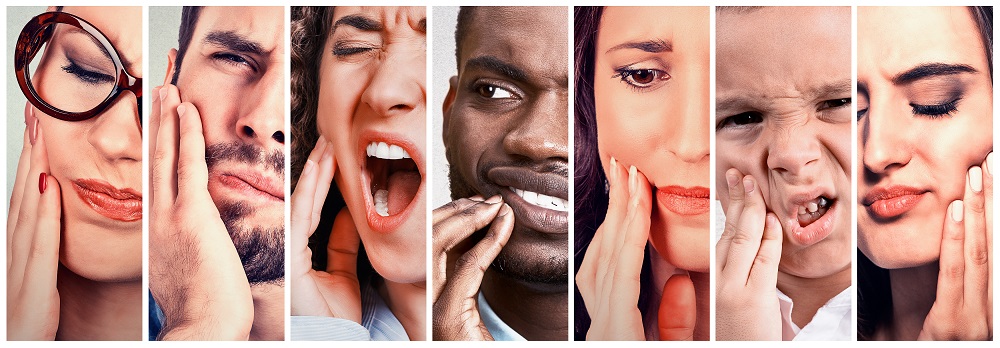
[(478, 89), (234, 59), (87, 76), (731, 121), (936, 110), (627, 75)]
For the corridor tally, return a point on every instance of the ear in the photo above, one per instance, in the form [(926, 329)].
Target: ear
[(171, 57), (449, 101), (51, 9)]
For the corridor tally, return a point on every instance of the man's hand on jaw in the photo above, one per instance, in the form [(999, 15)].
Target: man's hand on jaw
[(746, 262), (196, 275), (460, 261)]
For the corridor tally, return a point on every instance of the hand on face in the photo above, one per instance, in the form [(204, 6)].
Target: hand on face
[(33, 232), (336, 291), (963, 307), (195, 273), (461, 258), (609, 276), (746, 261)]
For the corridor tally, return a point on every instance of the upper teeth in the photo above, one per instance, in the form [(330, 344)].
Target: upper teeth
[(386, 151), (814, 206), (541, 200)]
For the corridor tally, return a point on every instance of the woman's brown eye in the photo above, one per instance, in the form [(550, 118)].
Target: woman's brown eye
[(643, 77)]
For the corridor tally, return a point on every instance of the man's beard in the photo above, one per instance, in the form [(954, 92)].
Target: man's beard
[(553, 270), (261, 248)]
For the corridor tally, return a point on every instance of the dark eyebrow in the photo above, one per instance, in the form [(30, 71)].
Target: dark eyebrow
[(651, 46), (495, 65), (235, 42), (360, 22), (127, 64), (930, 70)]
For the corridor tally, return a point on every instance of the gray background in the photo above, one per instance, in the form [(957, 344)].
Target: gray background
[(444, 20), (16, 18), (163, 25)]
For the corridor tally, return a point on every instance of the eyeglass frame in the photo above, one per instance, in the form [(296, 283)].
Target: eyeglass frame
[(37, 32)]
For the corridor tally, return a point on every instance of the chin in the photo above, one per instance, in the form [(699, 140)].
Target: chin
[(683, 243), (405, 268), (899, 246), (102, 255)]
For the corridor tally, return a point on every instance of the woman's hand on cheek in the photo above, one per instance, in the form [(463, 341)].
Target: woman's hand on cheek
[(33, 232), (608, 278), (963, 307), (747, 258), (334, 292), (195, 273)]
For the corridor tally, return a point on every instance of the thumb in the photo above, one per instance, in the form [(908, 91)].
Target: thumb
[(678, 309)]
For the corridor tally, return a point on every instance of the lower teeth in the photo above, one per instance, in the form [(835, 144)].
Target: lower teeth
[(382, 202)]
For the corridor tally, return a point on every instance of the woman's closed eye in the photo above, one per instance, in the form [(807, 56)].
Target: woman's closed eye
[(936, 110), (87, 75)]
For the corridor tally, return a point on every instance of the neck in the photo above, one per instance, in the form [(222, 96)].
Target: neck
[(809, 294), (92, 310), (268, 312), (917, 286), (538, 312), (662, 270), (408, 302)]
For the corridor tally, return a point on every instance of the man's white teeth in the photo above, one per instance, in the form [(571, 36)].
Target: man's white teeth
[(382, 202), (386, 151), (541, 200)]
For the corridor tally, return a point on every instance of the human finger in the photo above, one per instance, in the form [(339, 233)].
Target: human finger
[(764, 271), (41, 268), (325, 169), (164, 165), (951, 273), (976, 253), (678, 311), (154, 128), (631, 247), (451, 208), (303, 218), (470, 267), (23, 165), (192, 170), (462, 224), (342, 249), (733, 212), (745, 243), (27, 219)]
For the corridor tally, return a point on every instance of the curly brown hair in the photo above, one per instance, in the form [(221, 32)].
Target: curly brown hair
[(310, 28)]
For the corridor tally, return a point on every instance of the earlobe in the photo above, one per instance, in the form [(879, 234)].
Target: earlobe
[(449, 101), (171, 57)]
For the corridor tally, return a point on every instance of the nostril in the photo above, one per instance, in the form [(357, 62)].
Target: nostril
[(279, 136), (248, 131)]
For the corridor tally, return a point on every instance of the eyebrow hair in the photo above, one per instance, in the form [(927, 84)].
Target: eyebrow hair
[(930, 70), (495, 65), (822, 91), (127, 64), (233, 41), (358, 21), (651, 46), (836, 87)]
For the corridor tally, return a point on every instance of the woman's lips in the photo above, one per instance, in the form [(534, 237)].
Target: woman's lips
[(892, 201), (684, 200), (109, 201)]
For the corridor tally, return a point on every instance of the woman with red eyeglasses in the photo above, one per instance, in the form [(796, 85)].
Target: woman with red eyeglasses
[(74, 224)]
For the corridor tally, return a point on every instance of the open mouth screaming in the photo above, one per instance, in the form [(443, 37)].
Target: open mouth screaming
[(393, 177)]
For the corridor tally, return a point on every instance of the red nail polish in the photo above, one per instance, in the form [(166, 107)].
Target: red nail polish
[(41, 182)]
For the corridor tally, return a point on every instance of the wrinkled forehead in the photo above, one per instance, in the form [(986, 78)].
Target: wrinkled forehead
[(533, 37), (263, 26), (774, 54), (122, 26)]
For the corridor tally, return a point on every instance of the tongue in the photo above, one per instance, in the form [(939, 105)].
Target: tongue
[(402, 187)]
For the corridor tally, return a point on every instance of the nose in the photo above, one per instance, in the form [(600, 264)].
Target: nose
[(397, 87), (261, 122), (794, 151), (541, 133), (689, 142), (884, 141), (115, 134)]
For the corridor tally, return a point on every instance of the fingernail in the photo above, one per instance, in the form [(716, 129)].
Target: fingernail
[(163, 93), (989, 163), (976, 179), (504, 210), (477, 198), (748, 185), (494, 200), (33, 133), (308, 167), (633, 180), (957, 210), (732, 179), (181, 109), (41, 182), (614, 169)]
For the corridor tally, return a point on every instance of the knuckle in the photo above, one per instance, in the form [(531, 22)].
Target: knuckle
[(979, 255), (953, 272), (741, 237)]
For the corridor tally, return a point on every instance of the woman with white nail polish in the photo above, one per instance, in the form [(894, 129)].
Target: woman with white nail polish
[(358, 209), (925, 181), (74, 224), (642, 173)]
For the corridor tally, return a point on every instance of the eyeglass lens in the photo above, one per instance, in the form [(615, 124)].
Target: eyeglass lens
[(73, 72)]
